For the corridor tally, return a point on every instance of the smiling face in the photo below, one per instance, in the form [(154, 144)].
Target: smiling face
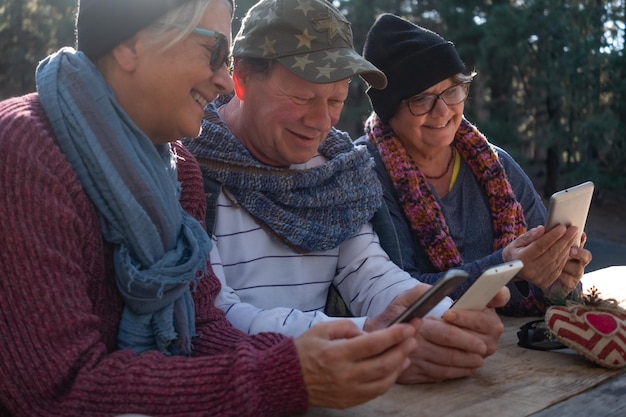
[(432, 131), (283, 119), (165, 90)]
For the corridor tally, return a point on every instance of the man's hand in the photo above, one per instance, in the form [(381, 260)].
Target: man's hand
[(397, 307), (456, 345), (344, 367)]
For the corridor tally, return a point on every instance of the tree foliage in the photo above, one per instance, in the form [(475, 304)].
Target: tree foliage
[(551, 84), (29, 31)]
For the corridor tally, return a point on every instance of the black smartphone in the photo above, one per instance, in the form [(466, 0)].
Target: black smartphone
[(440, 289)]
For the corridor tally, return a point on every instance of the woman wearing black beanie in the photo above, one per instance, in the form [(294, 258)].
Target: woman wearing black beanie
[(456, 200)]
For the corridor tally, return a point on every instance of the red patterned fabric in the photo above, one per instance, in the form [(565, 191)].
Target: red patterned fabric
[(597, 333)]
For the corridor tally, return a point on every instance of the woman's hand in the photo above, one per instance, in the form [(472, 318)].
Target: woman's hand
[(344, 367), (544, 254), (572, 273)]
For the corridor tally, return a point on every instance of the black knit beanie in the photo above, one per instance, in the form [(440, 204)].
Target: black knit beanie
[(413, 59), (101, 25)]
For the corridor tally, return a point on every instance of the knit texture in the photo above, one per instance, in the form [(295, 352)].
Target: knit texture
[(313, 209), (418, 201), (412, 57), (60, 308)]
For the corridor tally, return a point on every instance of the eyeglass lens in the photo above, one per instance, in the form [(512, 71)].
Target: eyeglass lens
[(424, 103), (220, 55)]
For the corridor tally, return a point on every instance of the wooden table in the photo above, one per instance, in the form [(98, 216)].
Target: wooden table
[(515, 381)]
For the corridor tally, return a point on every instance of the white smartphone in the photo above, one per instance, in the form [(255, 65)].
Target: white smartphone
[(570, 207), (487, 286), (440, 289)]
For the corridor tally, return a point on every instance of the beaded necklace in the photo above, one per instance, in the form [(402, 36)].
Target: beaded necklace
[(438, 177)]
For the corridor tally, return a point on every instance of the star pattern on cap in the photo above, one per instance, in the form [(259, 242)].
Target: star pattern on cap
[(257, 14), (304, 39), (305, 7), (334, 25), (301, 61), (268, 46), (333, 55), (356, 67), (325, 71)]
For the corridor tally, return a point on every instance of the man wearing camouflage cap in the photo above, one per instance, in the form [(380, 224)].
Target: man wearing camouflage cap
[(295, 196)]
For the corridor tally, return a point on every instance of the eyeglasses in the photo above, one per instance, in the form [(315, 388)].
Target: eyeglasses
[(535, 335), (220, 54), (424, 103)]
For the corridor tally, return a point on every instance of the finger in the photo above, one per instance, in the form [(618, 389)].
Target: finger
[(500, 299), (529, 237), (340, 329), (439, 370), (583, 256), (375, 343), (571, 275), (452, 331), (550, 238), (484, 325), (443, 356)]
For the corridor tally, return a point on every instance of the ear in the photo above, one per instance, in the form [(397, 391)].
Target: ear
[(239, 80), (126, 55)]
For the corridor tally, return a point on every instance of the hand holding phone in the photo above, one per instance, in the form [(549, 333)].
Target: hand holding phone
[(444, 286), (487, 286), (570, 207)]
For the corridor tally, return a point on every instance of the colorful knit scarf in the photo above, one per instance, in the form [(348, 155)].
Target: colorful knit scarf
[(420, 205), (313, 209)]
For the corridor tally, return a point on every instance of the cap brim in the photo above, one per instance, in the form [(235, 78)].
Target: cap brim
[(333, 65)]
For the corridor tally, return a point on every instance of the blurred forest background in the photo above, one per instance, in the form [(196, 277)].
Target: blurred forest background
[(551, 84)]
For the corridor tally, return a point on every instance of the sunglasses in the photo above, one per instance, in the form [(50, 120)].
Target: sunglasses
[(536, 335), (220, 53)]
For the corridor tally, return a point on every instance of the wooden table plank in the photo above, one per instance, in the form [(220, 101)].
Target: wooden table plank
[(608, 399), (514, 381)]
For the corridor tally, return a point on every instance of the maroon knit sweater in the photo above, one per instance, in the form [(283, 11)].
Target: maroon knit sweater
[(60, 309)]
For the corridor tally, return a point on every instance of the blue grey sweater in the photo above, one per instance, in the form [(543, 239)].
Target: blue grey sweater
[(467, 215)]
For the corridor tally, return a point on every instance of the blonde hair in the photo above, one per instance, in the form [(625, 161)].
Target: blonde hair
[(179, 22)]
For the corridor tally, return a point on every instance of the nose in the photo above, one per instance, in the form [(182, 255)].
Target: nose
[(319, 116), (222, 80), (440, 106)]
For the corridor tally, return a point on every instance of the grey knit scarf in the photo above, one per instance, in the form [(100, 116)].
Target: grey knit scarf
[(313, 209)]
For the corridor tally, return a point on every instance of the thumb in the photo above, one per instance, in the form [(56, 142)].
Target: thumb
[(529, 237)]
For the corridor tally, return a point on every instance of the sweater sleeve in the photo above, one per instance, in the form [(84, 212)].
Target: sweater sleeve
[(60, 309)]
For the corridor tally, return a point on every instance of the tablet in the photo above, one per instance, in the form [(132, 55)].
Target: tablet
[(487, 286), (440, 289), (570, 207)]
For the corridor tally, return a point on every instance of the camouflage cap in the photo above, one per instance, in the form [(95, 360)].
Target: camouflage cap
[(309, 37)]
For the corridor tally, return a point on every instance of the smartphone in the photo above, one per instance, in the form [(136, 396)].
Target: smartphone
[(440, 289), (487, 286), (570, 207)]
